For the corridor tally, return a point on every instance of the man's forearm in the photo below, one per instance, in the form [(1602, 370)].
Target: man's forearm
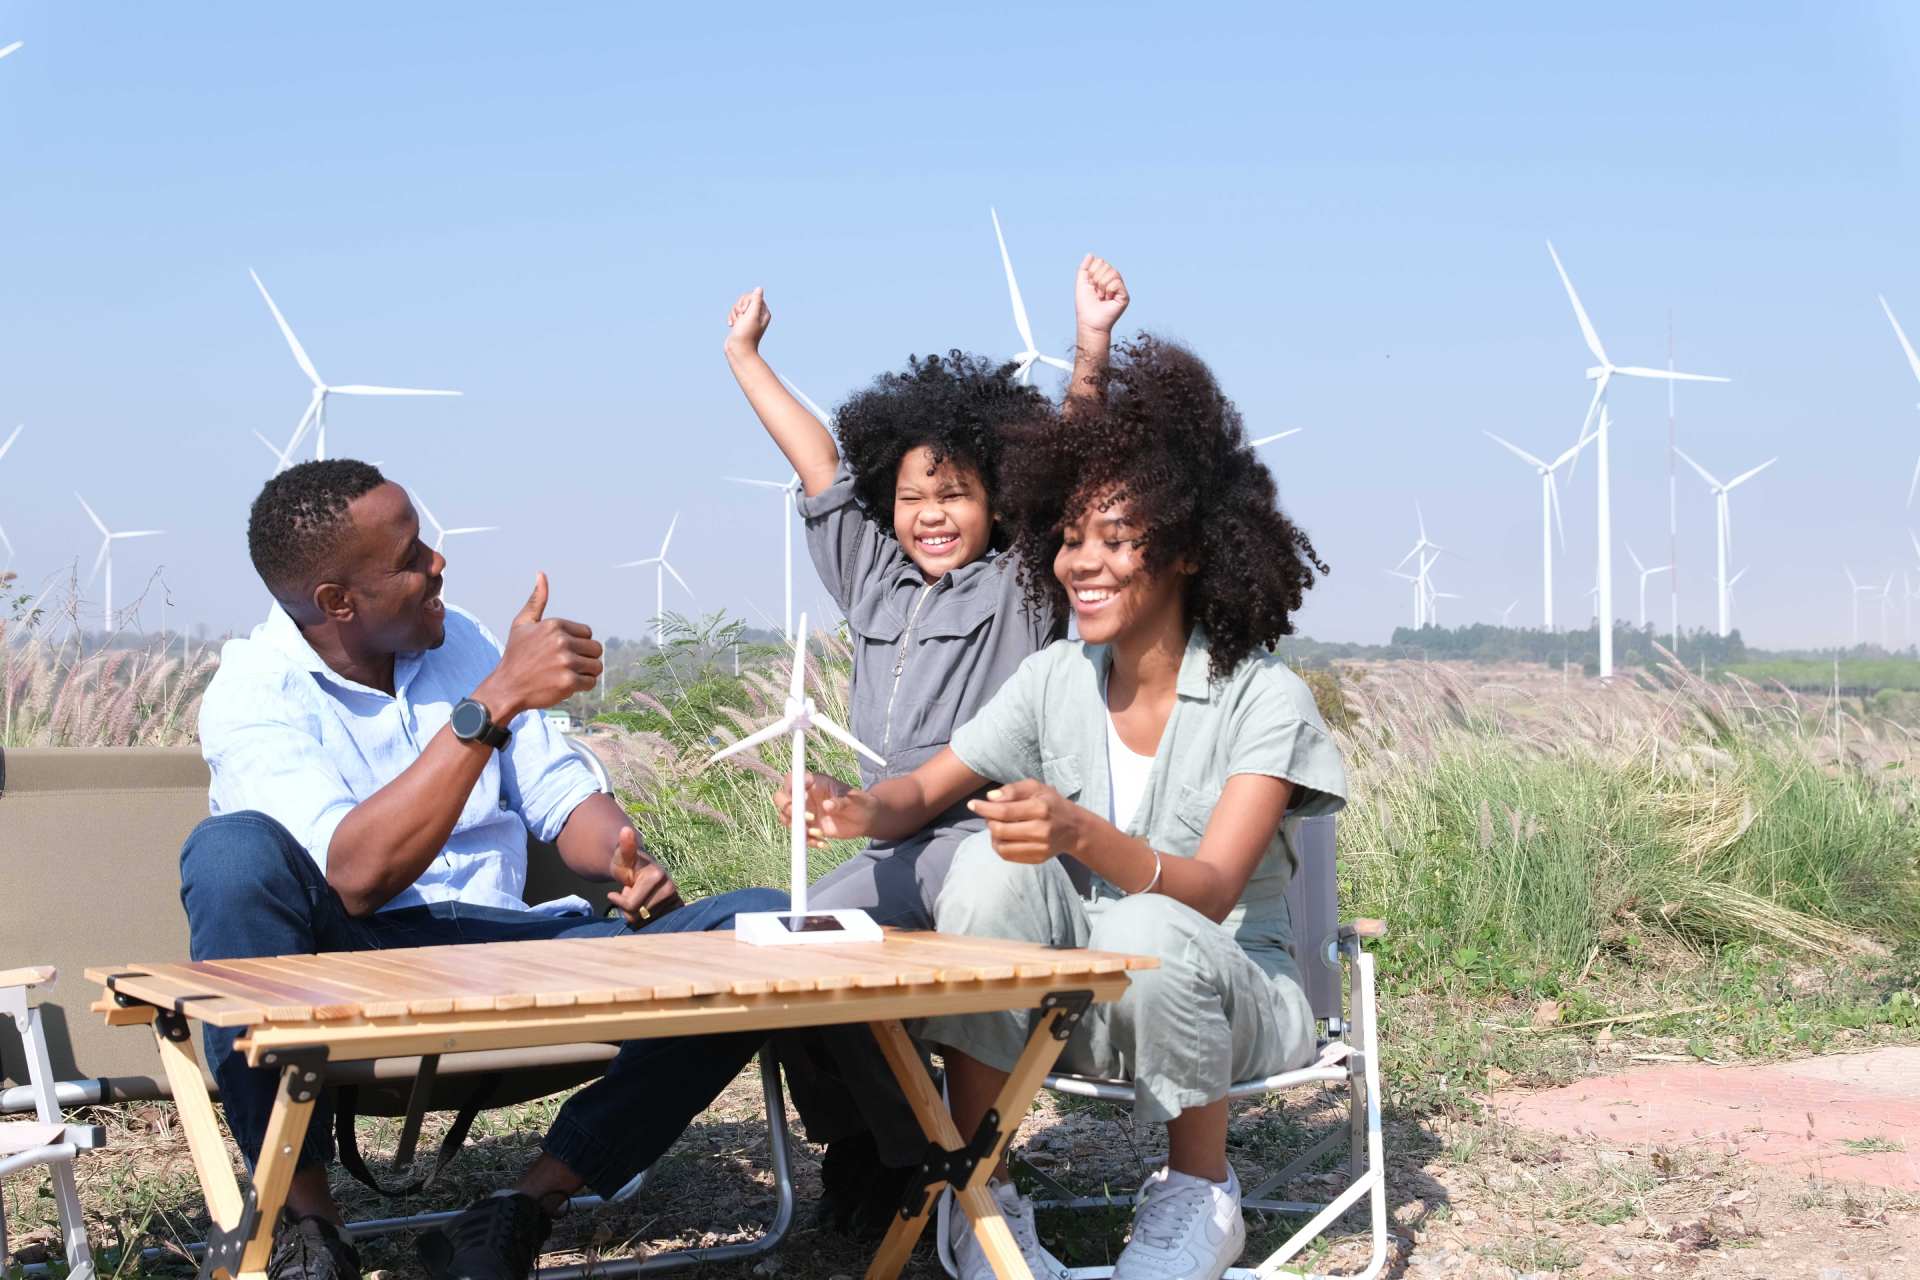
[(592, 832)]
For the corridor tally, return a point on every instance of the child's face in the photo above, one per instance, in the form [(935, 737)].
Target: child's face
[(940, 514), (1105, 573)]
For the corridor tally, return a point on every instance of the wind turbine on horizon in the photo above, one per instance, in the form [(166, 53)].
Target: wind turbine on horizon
[(4, 540), (1733, 582), (1506, 614), (315, 418), (440, 532), (1856, 588), (1024, 358), (660, 570), (1422, 593), (107, 539), (1602, 376), (788, 490), (1550, 519), (1646, 573), (1724, 521)]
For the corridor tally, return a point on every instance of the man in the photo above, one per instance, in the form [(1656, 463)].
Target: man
[(378, 762)]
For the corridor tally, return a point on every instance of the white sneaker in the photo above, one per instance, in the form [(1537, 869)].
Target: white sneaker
[(971, 1259), (1186, 1228)]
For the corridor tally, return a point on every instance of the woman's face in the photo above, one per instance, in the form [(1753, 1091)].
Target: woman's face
[(1101, 565), (940, 513)]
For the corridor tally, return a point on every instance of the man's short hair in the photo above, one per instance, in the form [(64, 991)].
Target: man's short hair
[(299, 521)]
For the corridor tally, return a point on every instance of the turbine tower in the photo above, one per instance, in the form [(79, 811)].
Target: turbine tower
[(315, 418), (1602, 375), (1724, 522), (1024, 358), (1549, 513), (1856, 589), (660, 569), (4, 540), (107, 539), (788, 491), (1646, 573)]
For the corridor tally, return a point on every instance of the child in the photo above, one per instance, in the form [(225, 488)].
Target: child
[(1162, 749), (902, 524)]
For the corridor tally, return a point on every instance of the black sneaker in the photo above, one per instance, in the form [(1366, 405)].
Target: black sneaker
[(497, 1238), (859, 1195), (310, 1249)]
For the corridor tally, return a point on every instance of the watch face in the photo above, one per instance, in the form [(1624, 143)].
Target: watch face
[(469, 719)]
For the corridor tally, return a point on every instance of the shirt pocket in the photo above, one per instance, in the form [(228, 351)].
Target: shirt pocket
[(1192, 809), (1062, 773)]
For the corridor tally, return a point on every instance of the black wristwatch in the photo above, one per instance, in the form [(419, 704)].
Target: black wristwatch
[(473, 723)]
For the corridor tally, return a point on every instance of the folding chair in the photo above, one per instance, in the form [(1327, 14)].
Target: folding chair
[(47, 1139), (1347, 1056)]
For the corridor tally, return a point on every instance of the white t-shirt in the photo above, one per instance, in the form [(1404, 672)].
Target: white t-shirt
[(1127, 772)]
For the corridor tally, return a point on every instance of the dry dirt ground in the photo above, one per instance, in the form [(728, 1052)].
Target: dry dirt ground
[(1468, 1198)]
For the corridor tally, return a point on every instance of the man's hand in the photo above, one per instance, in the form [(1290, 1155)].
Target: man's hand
[(820, 789), (646, 891), (747, 323), (547, 661), (848, 816), (1030, 822), (1099, 296)]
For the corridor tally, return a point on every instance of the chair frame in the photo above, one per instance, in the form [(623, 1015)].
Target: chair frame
[(1348, 1057), (58, 1157)]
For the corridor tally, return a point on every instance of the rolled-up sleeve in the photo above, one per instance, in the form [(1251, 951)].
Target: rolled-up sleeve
[(541, 776), (1002, 741), (849, 548), (1276, 731), (266, 755)]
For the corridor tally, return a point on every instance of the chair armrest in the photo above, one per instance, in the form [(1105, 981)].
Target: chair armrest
[(32, 976), (1363, 929)]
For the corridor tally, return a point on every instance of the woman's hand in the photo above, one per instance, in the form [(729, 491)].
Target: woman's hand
[(747, 323), (1099, 296), (1030, 822), (847, 816), (820, 788)]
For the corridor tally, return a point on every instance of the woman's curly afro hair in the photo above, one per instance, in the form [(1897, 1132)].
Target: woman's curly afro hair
[(1165, 440), (958, 405)]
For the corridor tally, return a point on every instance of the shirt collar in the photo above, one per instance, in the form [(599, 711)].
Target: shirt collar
[(956, 579), (284, 634), (1194, 681)]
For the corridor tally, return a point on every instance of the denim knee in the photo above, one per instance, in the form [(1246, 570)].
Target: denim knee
[(234, 856)]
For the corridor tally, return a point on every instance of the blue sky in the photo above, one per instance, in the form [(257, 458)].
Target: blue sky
[(1344, 211)]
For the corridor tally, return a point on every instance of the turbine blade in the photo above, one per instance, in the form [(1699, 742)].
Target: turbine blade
[(763, 484), (1635, 558), (1281, 435), (1745, 476), (1913, 361), (1013, 287), (472, 528), (1574, 452), (138, 533), (421, 503), (1057, 363), (669, 538), (1515, 449), (15, 46), (834, 731), (1913, 483), (359, 389), (100, 559), (286, 330), (1553, 498), (676, 575), (10, 439), (1580, 312), (634, 564), (1640, 371), (1916, 544), (105, 532), (779, 728), (5, 542), (1704, 473)]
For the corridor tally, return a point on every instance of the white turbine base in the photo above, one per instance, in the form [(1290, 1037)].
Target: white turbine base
[(814, 928)]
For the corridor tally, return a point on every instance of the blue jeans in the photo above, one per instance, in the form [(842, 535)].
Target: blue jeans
[(251, 890)]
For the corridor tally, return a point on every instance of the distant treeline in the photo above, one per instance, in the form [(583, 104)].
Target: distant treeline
[(1482, 642)]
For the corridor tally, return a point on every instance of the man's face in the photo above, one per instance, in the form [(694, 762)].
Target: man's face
[(392, 578)]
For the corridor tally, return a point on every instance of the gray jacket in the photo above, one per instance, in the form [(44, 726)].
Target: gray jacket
[(926, 657)]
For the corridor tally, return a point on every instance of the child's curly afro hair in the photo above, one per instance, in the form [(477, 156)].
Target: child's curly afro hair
[(958, 405), (1166, 441)]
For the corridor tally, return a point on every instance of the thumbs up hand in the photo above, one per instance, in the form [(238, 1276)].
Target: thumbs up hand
[(547, 661)]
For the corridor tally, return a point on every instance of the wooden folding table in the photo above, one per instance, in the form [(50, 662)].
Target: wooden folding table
[(300, 1013)]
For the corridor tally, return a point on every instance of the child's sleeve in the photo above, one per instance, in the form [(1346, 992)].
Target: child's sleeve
[(1002, 741), (1276, 731), (849, 549)]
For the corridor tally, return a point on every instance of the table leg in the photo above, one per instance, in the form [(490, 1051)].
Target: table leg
[(300, 1082), (1048, 1037), (200, 1122)]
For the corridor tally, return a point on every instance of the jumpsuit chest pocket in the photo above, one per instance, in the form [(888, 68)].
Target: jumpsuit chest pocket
[(1193, 809), (1062, 773)]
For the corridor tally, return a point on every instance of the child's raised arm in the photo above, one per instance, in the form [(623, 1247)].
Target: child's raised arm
[(801, 436), (1099, 300)]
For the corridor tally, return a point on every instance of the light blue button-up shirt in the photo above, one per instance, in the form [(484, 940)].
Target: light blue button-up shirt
[(288, 736)]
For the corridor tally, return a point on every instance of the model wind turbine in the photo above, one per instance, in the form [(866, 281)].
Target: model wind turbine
[(660, 571), (4, 540), (797, 718), (315, 418), (441, 533), (1602, 375), (788, 490), (1646, 573), (105, 558), (1024, 359), (1913, 363), (1724, 521), (1550, 520)]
